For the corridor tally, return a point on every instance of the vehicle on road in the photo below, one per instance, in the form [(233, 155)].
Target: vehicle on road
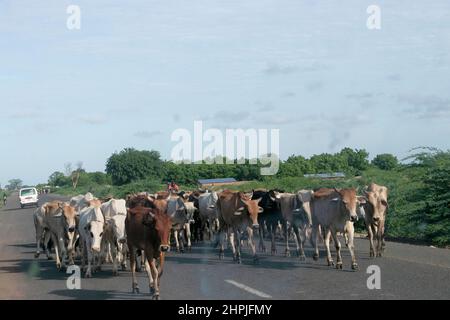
[(28, 197)]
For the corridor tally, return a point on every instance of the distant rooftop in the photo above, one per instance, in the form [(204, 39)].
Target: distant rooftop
[(325, 175), (219, 180)]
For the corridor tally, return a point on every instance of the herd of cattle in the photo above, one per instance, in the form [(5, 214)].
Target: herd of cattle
[(114, 230)]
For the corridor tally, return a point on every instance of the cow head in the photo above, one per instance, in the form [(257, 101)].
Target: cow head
[(274, 195), (70, 223), (161, 223), (251, 208), (349, 201), (305, 197), (118, 226), (376, 206), (95, 230)]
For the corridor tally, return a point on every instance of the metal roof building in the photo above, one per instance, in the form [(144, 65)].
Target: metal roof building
[(326, 175), (218, 182)]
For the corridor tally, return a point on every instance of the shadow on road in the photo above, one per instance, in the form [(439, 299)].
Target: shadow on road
[(84, 294)]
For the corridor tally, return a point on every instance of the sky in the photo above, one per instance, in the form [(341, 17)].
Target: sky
[(137, 70)]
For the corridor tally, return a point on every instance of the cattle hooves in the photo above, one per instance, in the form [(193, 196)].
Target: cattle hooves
[(355, 266), (49, 258), (331, 263), (156, 297), (124, 268), (135, 290), (303, 258), (339, 265), (287, 253), (274, 252), (37, 254), (256, 260), (315, 257)]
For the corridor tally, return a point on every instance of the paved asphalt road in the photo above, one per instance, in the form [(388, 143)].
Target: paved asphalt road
[(407, 272)]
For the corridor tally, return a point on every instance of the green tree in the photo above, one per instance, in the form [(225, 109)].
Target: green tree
[(355, 159), (14, 184), (437, 191), (58, 178), (385, 161), (131, 165)]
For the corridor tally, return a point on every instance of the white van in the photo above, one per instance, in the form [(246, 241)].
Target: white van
[(28, 197)]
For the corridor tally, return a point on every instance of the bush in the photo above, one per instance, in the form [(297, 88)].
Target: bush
[(385, 161), (131, 165)]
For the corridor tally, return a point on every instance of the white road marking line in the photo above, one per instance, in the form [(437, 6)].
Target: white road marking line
[(248, 289)]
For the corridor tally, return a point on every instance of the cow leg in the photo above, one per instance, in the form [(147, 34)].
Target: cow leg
[(314, 242), (140, 267), (187, 228), (298, 249), (114, 256), (286, 232), (252, 244), (237, 235), (39, 234), (88, 273), (154, 272), (151, 282), (83, 255), (58, 261), (380, 239), (338, 249), (370, 233), (47, 237), (272, 229), (221, 244), (232, 243), (327, 234), (351, 246), (122, 252), (301, 241), (134, 283), (262, 246), (175, 235)]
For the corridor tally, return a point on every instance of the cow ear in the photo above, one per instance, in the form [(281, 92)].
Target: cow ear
[(260, 209), (258, 200), (58, 215), (335, 199), (239, 211), (362, 199)]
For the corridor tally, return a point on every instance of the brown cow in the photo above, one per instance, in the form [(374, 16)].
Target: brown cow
[(237, 213), (375, 210), (148, 229), (335, 211)]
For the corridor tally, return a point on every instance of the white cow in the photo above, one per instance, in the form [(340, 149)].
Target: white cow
[(113, 244), (207, 203), (91, 231), (81, 201)]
